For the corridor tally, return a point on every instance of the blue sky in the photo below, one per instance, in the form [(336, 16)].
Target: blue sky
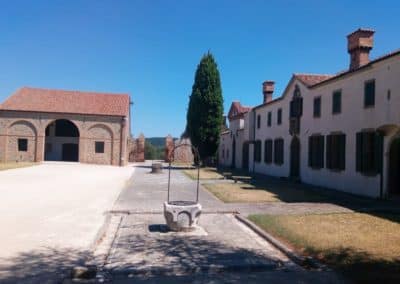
[(150, 49)]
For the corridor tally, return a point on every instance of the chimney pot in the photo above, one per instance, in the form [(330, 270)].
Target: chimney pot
[(359, 44), (268, 89)]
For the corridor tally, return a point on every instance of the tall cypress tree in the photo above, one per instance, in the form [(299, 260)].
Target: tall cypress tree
[(205, 112)]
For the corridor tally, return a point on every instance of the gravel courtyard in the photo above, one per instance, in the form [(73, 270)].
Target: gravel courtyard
[(53, 207)]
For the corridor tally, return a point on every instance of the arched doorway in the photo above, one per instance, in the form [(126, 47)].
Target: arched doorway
[(234, 153), (295, 158), (62, 141), (394, 167)]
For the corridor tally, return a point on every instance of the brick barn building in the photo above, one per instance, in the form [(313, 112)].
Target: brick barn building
[(56, 125)]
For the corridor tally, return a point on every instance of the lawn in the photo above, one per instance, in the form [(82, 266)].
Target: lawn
[(205, 173), (262, 191), (15, 165), (365, 248)]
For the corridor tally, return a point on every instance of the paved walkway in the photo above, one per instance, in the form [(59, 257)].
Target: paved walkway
[(223, 251), (50, 215)]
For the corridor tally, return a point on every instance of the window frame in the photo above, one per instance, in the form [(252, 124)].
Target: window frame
[(316, 151), (366, 103), (279, 151), (269, 118), (22, 144), (315, 114), (99, 144), (335, 151), (279, 117), (334, 110), (258, 121)]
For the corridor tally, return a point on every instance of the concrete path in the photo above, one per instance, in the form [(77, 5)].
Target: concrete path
[(223, 251), (50, 215)]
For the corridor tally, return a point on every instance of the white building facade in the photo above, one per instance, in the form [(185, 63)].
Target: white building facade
[(335, 131)]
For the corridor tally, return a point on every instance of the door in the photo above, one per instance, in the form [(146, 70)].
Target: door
[(234, 153), (245, 156), (70, 152), (295, 158), (394, 167)]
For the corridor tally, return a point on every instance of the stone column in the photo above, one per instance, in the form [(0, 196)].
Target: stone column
[(140, 144), (39, 145)]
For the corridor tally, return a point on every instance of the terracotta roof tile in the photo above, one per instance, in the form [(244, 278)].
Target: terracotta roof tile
[(61, 101), (312, 79)]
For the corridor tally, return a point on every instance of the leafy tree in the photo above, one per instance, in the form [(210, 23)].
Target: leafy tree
[(205, 111)]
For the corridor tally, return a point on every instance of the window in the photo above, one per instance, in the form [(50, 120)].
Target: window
[(316, 151), (269, 118), (22, 145), (257, 151), (336, 151), (337, 102), (369, 93), (279, 116), (258, 121), (268, 151), (278, 151), (296, 107), (317, 107), (369, 152), (99, 147)]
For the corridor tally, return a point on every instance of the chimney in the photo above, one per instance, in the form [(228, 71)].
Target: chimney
[(359, 43), (268, 89)]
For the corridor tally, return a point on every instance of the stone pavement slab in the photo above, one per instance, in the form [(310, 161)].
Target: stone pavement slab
[(224, 244)]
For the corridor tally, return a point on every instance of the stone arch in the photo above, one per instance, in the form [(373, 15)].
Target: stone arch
[(21, 132), (99, 133), (62, 139)]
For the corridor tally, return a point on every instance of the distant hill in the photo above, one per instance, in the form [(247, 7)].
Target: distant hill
[(156, 141)]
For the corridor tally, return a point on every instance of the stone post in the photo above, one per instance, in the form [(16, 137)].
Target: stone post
[(169, 146)]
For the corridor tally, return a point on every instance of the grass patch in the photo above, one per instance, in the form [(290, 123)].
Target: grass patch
[(261, 191), (365, 248), (205, 173), (15, 165)]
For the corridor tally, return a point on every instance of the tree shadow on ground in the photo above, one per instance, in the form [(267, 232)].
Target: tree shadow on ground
[(41, 266), (170, 259), (294, 192), (359, 267)]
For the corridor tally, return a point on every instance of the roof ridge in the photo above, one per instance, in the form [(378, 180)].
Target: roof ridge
[(70, 91)]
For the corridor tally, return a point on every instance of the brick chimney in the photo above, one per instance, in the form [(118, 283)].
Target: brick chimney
[(359, 44), (268, 89)]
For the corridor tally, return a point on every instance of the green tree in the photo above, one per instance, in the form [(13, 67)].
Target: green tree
[(205, 111)]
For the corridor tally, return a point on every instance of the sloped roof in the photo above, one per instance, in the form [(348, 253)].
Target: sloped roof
[(62, 101), (312, 79), (237, 110)]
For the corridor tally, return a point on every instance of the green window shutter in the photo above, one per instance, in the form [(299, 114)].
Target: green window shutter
[(329, 151), (369, 93), (378, 152), (321, 151), (342, 152), (359, 143)]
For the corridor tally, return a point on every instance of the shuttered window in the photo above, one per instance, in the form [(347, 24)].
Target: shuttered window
[(369, 152), (278, 151), (257, 151), (317, 107), (316, 151), (258, 121), (269, 119), (337, 102), (336, 152), (296, 107), (279, 116), (268, 151), (369, 93)]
